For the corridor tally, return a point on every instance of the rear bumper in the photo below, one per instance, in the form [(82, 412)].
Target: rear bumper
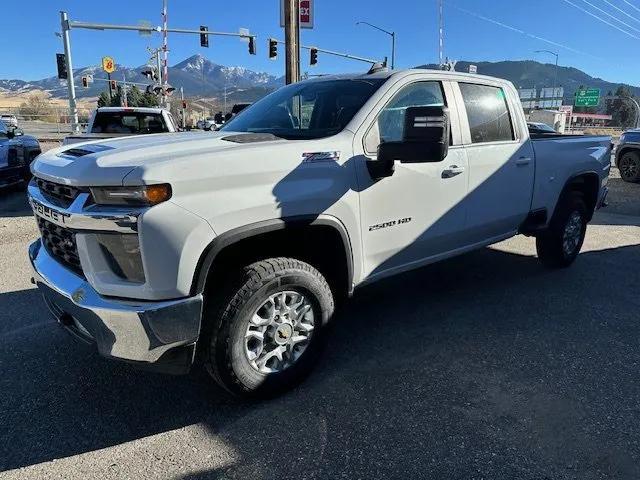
[(161, 334)]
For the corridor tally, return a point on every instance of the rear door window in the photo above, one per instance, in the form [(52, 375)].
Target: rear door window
[(488, 113), (128, 123)]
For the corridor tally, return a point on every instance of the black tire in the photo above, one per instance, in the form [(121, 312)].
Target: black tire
[(228, 315), (629, 166), (550, 244)]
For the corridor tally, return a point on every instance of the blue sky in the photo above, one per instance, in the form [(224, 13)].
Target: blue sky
[(29, 44)]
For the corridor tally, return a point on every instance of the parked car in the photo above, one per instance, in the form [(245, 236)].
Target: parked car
[(232, 249), (627, 156), (207, 124), (111, 122), (17, 152), (9, 120)]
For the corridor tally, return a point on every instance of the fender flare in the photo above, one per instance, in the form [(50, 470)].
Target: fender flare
[(235, 235)]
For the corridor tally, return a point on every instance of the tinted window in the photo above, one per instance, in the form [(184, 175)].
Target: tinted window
[(391, 119), (302, 110), (488, 113), (128, 123)]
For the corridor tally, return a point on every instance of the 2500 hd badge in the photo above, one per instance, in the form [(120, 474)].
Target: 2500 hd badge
[(392, 223)]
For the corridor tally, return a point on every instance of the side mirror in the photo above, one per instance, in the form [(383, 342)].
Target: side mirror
[(425, 139)]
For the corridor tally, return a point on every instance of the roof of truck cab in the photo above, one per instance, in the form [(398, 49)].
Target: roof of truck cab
[(131, 109), (384, 74)]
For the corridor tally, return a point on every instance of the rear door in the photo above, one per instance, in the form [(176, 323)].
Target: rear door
[(4, 146), (417, 213), (501, 160)]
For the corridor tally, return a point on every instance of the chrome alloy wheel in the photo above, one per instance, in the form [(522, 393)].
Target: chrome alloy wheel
[(628, 167), (279, 332), (572, 234)]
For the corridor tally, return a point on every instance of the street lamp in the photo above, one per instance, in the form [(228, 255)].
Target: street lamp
[(555, 82), (393, 41)]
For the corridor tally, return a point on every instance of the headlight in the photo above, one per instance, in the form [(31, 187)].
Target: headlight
[(141, 196)]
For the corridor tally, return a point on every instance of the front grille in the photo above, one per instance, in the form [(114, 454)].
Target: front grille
[(56, 193), (60, 242)]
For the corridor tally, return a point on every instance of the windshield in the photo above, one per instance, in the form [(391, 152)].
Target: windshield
[(306, 110)]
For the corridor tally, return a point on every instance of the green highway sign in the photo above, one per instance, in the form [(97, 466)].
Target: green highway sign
[(589, 97)]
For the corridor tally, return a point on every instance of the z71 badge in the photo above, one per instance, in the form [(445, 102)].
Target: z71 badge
[(392, 223)]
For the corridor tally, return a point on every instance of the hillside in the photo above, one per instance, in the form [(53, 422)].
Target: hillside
[(201, 77)]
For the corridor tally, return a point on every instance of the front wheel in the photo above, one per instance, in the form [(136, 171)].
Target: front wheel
[(267, 332), (560, 244), (629, 166)]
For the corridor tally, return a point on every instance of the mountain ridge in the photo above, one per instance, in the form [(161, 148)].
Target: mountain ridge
[(200, 77)]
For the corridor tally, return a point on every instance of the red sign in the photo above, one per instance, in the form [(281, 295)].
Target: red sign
[(306, 13)]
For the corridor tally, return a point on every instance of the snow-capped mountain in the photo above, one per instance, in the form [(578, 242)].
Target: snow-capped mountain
[(196, 74)]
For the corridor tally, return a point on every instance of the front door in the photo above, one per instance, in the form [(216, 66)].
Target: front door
[(418, 212)]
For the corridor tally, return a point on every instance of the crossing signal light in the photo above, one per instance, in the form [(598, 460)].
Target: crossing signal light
[(85, 82), (113, 84), (273, 48), (150, 73), (313, 56), (204, 38), (252, 45)]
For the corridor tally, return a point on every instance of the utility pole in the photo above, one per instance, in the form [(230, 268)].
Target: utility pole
[(441, 33), (182, 105), (292, 40), (73, 109)]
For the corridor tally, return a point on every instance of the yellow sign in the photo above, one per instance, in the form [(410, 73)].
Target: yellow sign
[(108, 64)]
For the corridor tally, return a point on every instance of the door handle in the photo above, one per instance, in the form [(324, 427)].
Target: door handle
[(522, 161), (451, 171)]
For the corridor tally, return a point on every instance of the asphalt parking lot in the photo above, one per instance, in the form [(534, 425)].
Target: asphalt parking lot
[(487, 366)]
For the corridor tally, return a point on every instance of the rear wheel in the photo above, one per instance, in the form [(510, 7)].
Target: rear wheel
[(266, 333), (560, 244), (629, 165)]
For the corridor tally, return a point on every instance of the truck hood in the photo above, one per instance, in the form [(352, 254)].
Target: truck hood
[(108, 162)]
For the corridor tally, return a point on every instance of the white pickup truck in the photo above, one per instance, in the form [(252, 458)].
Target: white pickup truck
[(231, 249), (112, 122)]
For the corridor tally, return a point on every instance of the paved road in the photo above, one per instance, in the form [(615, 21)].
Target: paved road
[(485, 366)]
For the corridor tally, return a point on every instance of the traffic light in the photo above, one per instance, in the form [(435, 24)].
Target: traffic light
[(204, 38), (273, 48), (313, 56), (252, 45), (61, 60), (150, 73), (85, 82), (184, 104), (113, 84)]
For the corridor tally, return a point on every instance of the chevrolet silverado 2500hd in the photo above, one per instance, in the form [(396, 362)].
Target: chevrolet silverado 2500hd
[(230, 249)]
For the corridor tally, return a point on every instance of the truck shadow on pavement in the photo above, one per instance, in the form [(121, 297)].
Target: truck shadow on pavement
[(425, 371)]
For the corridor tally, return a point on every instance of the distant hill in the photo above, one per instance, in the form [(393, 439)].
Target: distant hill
[(201, 77), (530, 74), (196, 74)]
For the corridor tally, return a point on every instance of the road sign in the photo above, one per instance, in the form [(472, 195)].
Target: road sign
[(473, 69), (306, 13), (589, 97), (108, 64)]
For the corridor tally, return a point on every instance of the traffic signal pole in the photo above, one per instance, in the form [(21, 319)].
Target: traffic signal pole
[(73, 109)]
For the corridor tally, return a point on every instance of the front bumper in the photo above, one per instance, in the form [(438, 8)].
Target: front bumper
[(158, 334)]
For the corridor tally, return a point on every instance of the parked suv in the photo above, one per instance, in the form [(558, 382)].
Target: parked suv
[(628, 156), (231, 249)]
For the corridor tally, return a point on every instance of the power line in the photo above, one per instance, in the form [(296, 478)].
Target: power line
[(584, 10), (621, 11), (522, 32), (631, 5), (611, 16)]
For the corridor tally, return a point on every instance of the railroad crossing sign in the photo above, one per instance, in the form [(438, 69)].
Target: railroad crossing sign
[(108, 64), (589, 97)]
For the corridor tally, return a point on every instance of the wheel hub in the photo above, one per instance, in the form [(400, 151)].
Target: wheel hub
[(279, 332), (572, 234)]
